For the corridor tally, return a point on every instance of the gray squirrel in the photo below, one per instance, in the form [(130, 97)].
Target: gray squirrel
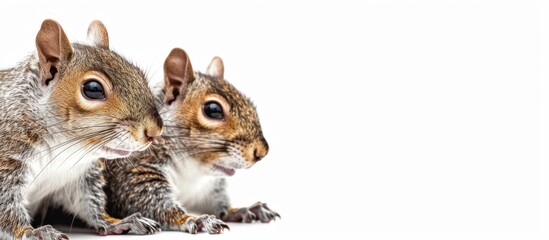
[(62, 108), (211, 131)]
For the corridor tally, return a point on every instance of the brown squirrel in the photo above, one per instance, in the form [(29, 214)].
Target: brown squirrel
[(211, 130), (61, 109)]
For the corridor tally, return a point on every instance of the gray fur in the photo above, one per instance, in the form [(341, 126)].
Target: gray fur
[(144, 184), (32, 122)]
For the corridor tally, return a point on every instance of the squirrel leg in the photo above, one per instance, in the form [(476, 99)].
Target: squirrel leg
[(178, 219), (134, 222), (258, 211), (146, 189), (15, 221), (89, 201)]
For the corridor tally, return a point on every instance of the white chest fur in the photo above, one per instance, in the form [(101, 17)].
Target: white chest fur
[(54, 170), (191, 187)]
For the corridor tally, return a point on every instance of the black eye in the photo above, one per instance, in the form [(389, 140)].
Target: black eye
[(213, 110), (93, 90)]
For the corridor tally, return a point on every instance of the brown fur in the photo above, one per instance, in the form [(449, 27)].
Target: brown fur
[(44, 113), (67, 95), (110, 219), (176, 216), (8, 164), (191, 136), (233, 129), (19, 231), (102, 36)]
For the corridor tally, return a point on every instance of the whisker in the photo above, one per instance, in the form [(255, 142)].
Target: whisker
[(94, 145), (51, 149), (195, 153), (127, 159), (119, 145), (79, 140), (79, 128), (97, 145)]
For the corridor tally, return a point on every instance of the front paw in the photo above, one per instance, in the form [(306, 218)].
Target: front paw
[(136, 223), (258, 211), (44, 233), (238, 215), (207, 223), (263, 213)]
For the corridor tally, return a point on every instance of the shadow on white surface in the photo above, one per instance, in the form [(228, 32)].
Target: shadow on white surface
[(238, 231)]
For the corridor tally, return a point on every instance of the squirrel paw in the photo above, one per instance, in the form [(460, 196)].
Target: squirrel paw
[(263, 213), (258, 211), (138, 224), (46, 232), (238, 215), (207, 223)]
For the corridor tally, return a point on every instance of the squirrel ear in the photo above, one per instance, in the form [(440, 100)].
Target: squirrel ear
[(53, 48), (98, 35), (216, 68), (178, 73)]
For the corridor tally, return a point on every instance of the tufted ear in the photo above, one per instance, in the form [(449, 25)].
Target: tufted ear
[(216, 68), (53, 49), (178, 73), (98, 35)]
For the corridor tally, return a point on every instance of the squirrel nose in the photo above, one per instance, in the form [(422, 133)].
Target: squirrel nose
[(150, 137), (259, 152), (153, 129), (152, 132), (258, 156)]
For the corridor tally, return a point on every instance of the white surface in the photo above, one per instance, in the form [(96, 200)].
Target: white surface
[(386, 120)]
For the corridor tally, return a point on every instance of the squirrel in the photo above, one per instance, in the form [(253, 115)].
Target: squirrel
[(211, 130), (62, 108)]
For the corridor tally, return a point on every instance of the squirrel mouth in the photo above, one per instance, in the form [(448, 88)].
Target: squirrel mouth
[(226, 170), (119, 152)]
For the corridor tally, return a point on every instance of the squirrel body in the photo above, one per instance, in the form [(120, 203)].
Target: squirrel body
[(212, 130), (60, 109)]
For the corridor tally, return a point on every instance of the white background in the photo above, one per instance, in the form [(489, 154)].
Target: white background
[(386, 120)]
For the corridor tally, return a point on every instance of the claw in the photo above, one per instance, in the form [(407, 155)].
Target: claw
[(136, 223), (225, 226), (258, 211), (207, 223), (45, 232)]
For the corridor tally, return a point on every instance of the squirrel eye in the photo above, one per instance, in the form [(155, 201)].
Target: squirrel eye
[(93, 90), (213, 110)]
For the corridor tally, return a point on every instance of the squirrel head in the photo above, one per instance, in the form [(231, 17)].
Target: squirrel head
[(97, 94), (217, 124)]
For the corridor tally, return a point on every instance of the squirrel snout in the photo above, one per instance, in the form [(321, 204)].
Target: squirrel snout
[(150, 136), (152, 132), (153, 128), (258, 155), (259, 151)]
